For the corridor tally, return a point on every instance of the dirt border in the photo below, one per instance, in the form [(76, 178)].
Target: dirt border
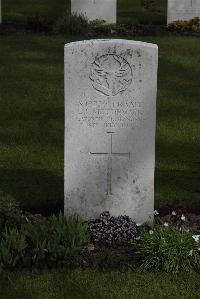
[(24, 27)]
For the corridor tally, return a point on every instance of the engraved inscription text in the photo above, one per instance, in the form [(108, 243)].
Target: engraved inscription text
[(110, 113)]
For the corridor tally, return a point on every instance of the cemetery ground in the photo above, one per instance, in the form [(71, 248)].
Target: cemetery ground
[(32, 140)]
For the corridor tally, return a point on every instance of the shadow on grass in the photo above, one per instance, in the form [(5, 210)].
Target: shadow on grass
[(177, 142), (38, 191), (177, 175), (176, 187), (178, 80)]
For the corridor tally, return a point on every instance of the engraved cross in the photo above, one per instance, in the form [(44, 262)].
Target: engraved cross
[(110, 156)]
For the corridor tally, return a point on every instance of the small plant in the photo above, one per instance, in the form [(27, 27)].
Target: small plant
[(37, 23), (67, 236), (97, 23), (12, 247), (10, 215), (37, 235), (169, 250), (72, 24), (41, 242), (192, 25), (109, 230)]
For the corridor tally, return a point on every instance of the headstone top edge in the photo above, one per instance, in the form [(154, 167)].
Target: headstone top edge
[(111, 41)]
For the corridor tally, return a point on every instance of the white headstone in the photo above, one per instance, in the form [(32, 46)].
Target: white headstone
[(96, 9), (110, 115), (182, 10)]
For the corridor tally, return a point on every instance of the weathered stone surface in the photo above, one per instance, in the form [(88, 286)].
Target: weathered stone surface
[(110, 112), (96, 9), (182, 10)]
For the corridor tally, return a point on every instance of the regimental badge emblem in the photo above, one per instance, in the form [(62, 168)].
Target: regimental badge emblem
[(111, 74)]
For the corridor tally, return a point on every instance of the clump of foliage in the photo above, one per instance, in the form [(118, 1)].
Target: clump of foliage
[(37, 235), (39, 243), (10, 215), (192, 25), (13, 247), (37, 24), (99, 27), (97, 23), (168, 249), (109, 230), (72, 24), (67, 236)]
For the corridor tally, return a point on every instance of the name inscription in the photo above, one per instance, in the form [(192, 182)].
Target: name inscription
[(110, 113)]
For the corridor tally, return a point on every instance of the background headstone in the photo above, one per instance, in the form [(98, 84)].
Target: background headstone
[(182, 10), (110, 113), (96, 9)]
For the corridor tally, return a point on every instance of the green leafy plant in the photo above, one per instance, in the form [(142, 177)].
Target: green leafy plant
[(10, 215), (12, 247), (192, 25), (67, 236), (72, 24), (37, 235), (97, 23), (42, 242), (169, 250), (37, 23)]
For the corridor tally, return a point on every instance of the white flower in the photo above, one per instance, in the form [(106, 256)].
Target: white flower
[(151, 232), (156, 213), (138, 224), (137, 238), (183, 218), (199, 249), (190, 252), (173, 213), (166, 224), (196, 238), (27, 219), (90, 247)]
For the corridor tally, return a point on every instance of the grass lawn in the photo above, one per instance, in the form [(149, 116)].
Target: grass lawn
[(19, 10), (128, 10), (84, 284), (131, 11), (32, 121)]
